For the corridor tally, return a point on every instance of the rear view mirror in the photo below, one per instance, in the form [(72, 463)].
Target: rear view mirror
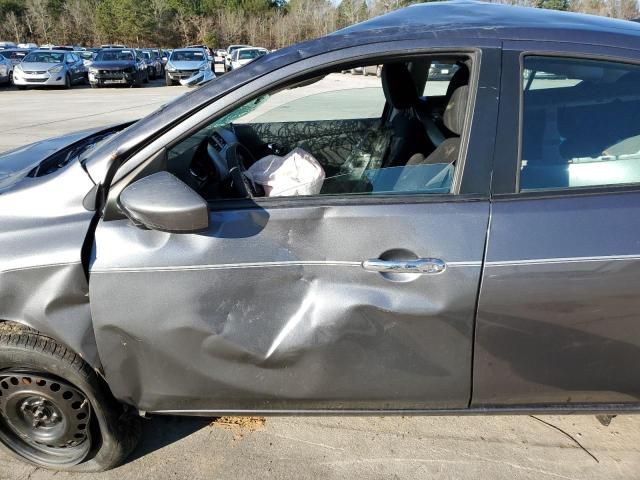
[(163, 202)]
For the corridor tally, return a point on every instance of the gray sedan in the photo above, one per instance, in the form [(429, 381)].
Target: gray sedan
[(278, 241), (45, 68)]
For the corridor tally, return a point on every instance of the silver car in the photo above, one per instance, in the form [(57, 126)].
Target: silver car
[(185, 63), (44, 68), (6, 69)]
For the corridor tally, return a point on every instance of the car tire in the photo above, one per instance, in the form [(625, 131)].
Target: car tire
[(36, 372), (21, 87)]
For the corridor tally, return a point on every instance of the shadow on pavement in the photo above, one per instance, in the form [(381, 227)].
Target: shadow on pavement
[(160, 431)]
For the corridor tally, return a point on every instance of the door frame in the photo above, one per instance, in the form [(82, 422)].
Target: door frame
[(474, 179), (505, 183)]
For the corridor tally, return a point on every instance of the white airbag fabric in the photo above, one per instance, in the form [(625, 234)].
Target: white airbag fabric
[(297, 173)]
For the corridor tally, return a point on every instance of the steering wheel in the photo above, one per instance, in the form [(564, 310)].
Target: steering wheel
[(238, 156)]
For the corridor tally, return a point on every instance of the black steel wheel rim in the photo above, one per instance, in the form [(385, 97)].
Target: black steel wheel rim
[(44, 419)]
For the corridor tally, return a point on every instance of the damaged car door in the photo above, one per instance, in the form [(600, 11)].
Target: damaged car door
[(322, 302)]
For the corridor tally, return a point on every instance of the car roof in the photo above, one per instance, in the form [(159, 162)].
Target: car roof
[(458, 20), (472, 19), (46, 50), (191, 49)]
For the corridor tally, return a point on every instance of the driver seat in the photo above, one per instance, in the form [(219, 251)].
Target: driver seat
[(412, 132)]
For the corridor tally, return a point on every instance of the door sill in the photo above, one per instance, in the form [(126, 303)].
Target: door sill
[(564, 409)]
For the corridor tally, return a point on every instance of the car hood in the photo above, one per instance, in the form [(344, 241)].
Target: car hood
[(113, 64), (16, 164), (38, 67), (187, 65)]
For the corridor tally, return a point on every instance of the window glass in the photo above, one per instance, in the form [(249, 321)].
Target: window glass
[(337, 134), (439, 77), (115, 55), (44, 57), (580, 123)]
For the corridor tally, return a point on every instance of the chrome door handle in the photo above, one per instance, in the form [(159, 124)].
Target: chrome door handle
[(419, 265)]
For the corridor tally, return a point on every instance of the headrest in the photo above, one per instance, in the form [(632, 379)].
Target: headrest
[(456, 110), (399, 88), (459, 78)]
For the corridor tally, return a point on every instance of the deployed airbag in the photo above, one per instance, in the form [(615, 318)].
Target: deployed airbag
[(297, 173)]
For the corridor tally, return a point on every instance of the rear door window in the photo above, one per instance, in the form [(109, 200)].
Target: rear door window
[(580, 123)]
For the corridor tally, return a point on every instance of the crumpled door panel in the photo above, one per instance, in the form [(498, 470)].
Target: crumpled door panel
[(272, 310)]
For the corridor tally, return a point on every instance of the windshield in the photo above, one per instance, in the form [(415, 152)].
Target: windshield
[(249, 54), (115, 55), (189, 56), (44, 57)]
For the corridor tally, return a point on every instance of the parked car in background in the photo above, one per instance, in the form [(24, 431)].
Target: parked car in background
[(184, 63), (144, 62), (442, 71), (367, 70), (66, 48), (44, 68), (154, 64), (118, 66), (28, 46), (87, 56), (241, 56), (6, 69), (115, 45), (4, 45), (15, 55), (162, 55), (219, 54), (227, 58)]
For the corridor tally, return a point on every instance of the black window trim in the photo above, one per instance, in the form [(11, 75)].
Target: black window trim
[(559, 192)]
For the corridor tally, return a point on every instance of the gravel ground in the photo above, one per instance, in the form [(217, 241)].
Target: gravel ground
[(502, 447)]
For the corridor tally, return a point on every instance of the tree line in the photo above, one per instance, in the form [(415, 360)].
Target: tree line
[(217, 23)]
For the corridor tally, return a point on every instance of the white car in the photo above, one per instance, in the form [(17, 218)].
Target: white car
[(242, 56), (188, 66), (227, 58)]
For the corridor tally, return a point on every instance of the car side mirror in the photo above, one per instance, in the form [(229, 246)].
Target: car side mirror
[(163, 202)]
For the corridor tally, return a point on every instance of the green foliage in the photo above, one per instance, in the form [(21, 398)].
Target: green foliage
[(8, 6), (553, 4)]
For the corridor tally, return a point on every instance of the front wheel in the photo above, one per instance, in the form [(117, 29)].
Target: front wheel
[(54, 410)]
